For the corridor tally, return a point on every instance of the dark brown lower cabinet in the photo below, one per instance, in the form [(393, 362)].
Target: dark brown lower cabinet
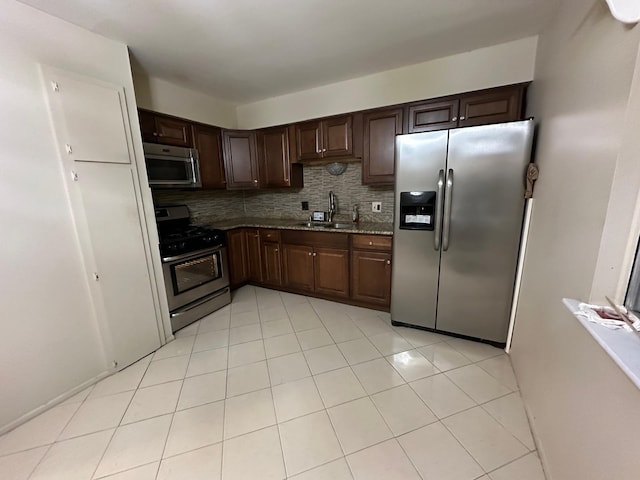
[(254, 261), (297, 263), (371, 277), (340, 266), (271, 264), (237, 253), (331, 271)]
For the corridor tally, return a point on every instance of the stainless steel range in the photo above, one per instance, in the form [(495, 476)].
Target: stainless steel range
[(194, 264)]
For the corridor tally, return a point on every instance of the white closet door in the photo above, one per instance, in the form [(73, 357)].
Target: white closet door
[(92, 129), (111, 215), (94, 116)]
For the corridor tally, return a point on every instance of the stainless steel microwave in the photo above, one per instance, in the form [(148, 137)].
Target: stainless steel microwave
[(172, 167)]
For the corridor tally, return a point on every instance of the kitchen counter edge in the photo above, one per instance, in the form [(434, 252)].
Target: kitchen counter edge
[(369, 228)]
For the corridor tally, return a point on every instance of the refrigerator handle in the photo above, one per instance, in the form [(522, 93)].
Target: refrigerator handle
[(438, 211), (448, 198)]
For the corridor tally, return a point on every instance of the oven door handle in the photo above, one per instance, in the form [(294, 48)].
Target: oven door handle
[(187, 256), (199, 303)]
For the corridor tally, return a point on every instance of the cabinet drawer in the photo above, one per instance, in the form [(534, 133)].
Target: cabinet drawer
[(372, 242), (269, 235), (316, 239)]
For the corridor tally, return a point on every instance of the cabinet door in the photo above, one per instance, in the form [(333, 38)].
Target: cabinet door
[(172, 131), (275, 164), (379, 154), (240, 160), (254, 262), (148, 126), (371, 277), (208, 142), (297, 262), (271, 265), (337, 137), (433, 115), (237, 253), (309, 140), (331, 271), (495, 106)]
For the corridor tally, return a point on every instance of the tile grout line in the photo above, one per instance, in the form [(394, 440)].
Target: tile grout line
[(224, 405), (175, 410), (273, 403), (121, 417)]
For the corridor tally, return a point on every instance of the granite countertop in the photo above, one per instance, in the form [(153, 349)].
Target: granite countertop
[(370, 228)]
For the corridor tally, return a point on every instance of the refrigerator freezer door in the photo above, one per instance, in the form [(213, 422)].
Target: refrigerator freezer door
[(420, 158), (485, 183)]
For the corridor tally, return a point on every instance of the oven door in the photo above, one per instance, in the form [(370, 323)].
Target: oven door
[(195, 275)]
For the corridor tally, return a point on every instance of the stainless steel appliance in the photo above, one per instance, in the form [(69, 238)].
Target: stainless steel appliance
[(172, 167), (459, 210), (194, 264)]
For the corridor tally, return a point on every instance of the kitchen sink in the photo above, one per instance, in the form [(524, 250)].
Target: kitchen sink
[(310, 224), (339, 225), (325, 225)]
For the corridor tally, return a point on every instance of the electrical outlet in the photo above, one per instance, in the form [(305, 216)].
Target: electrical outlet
[(376, 207)]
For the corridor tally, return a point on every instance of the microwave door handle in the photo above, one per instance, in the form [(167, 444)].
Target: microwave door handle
[(438, 211), (195, 169), (448, 200)]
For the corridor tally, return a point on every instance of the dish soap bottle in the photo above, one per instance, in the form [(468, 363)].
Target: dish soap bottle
[(355, 214)]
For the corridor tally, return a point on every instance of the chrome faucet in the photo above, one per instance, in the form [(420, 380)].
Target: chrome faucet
[(332, 205)]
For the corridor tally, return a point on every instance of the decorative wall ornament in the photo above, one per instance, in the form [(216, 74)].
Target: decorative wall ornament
[(336, 168)]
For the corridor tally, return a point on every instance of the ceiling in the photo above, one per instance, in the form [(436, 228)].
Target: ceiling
[(247, 50)]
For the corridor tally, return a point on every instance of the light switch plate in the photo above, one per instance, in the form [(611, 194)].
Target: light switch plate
[(376, 207)]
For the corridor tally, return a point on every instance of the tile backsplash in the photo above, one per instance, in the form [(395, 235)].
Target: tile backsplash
[(209, 206)]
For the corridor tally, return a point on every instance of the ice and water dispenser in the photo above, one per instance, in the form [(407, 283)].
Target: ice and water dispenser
[(417, 210)]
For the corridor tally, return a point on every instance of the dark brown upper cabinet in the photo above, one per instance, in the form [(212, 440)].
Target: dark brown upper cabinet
[(497, 105), (309, 140), (208, 141), (274, 154), (164, 129), (433, 115), (240, 159), (331, 137), (379, 152)]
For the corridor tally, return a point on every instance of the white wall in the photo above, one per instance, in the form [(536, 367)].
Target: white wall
[(503, 64), (165, 97), (50, 342), (584, 408)]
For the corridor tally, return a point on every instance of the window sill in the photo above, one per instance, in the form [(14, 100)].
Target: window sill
[(621, 345)]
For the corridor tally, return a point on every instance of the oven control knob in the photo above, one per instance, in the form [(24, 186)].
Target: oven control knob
[(207, 239), (182, 245)]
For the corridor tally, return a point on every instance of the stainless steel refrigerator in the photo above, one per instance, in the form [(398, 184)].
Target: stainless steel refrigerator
[(459, 205)]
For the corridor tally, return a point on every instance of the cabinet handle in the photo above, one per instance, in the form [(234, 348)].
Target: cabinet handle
[(276, 250), (310, 253), (454, 119), (388, 262), (155, 134), (370, 243), (255, 181), (462, 118), (314, 254)]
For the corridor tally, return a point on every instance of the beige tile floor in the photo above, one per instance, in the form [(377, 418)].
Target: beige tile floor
[(283, 386)]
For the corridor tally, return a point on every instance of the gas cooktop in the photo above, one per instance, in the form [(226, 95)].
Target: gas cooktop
[(178, 237)]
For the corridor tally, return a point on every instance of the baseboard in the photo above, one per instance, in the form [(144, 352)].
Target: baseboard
[(52, 403), (536, 439)]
